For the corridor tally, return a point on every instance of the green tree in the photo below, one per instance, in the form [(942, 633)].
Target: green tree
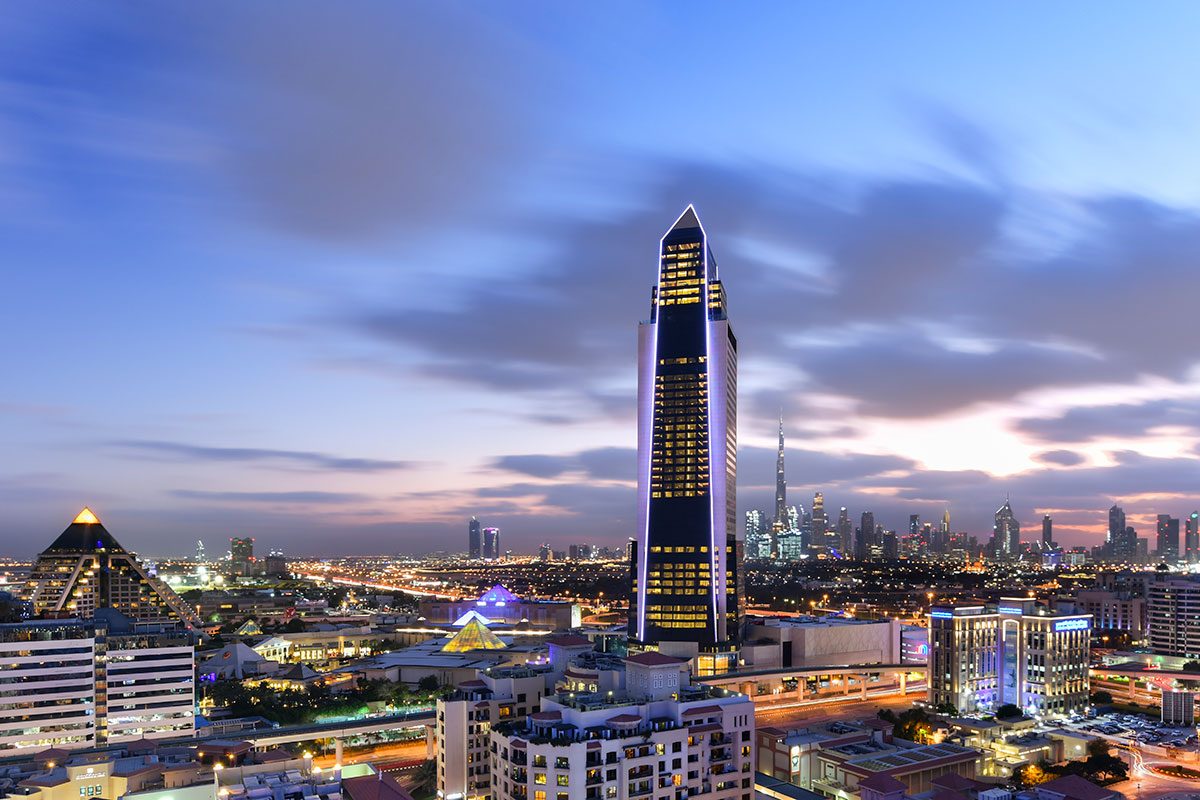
[(947, 709), (429, 683), (1102, 698), (1008, 711)]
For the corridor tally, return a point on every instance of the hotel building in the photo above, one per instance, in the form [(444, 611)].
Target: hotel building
[(86, 569), (686, 570), (1018, 653)]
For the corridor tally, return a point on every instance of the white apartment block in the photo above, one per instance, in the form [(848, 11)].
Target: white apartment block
[(47, 685), (72, 684), (150, 687)]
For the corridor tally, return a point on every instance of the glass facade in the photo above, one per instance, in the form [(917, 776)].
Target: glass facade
[(686, 579)]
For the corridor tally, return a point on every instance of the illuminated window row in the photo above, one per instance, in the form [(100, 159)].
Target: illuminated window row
[(682, 248)]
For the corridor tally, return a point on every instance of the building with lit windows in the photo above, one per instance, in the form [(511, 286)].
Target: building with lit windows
[(1018, 653), (86, 569), (1006, 534), (687, 595), (70, 683), (658, 737), (1173, 615)]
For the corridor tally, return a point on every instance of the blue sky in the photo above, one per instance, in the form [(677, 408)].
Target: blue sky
[(340, 278)]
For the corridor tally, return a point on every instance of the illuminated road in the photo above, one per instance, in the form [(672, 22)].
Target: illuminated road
[(1145, 784), (391, 751), (783, 715)]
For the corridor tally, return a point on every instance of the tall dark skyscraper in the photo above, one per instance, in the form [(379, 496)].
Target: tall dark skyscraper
[(1006, 534), (1047, 532), (1116, 526), (474, 539), (1168, 538), (491, 544), (780, 482), (820, 520), (687, 582), (865, 537), (1192, 538)]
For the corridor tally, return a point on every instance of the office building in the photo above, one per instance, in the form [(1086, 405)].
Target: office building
[(981, 658), (85, 569), (659, 737), (1173, 615), (1167, 541), (200, 556), (845, 547), (1192, 537), (70, 683), (474, 539), (241, 556), (1048, 532), (820, 521), (758, 537), (1006, 534), (866, 536), (687, 592), (491, 544)]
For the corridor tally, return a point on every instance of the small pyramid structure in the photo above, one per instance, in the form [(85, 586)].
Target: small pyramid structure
[(249, 628), (473, 636), (470, 615), (498, 594)]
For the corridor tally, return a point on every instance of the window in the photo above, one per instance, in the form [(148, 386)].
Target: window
[(564, 780)]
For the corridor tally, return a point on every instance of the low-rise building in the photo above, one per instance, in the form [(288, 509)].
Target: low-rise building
[(780, 642), (499, 605)]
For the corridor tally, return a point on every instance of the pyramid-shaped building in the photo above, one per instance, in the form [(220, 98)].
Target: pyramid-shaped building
[(86, 569), (473, 636)]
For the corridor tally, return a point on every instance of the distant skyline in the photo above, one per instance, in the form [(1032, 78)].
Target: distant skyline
[(340, 281)]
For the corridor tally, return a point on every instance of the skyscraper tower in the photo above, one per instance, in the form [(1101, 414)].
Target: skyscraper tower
[(1192, 537), (780, 480), (1047, 532), (820, 522), (688, 580), (491, 544), (200, 551), (474, 539), (1006, 534)]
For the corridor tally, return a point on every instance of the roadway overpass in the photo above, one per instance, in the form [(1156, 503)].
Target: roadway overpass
[(817, 683)]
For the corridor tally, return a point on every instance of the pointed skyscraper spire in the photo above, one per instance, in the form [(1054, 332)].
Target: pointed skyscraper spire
[(687, 219)]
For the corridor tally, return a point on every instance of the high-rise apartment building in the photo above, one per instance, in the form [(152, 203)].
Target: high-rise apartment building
[(1006, 534), (981, 658), (687, 585), (491, 544), (1168, 538), (1192, 537), (1173, 615), (474, 539), (70, 683), (86, 569)]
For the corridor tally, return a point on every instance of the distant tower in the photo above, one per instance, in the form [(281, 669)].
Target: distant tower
[(946, 521), (1048, 532), (491, 544), (1006, 534), (1192, 540), (820, 522), (200, 551), (780, 482), (474, 539)]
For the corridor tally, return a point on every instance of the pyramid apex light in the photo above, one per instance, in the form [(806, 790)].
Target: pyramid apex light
[(86, 517)]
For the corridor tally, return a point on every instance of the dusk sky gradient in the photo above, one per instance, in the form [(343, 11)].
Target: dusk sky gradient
[(339, 276)]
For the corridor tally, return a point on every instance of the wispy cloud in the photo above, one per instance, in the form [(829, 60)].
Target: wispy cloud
[(303, 459), (297, 498)]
